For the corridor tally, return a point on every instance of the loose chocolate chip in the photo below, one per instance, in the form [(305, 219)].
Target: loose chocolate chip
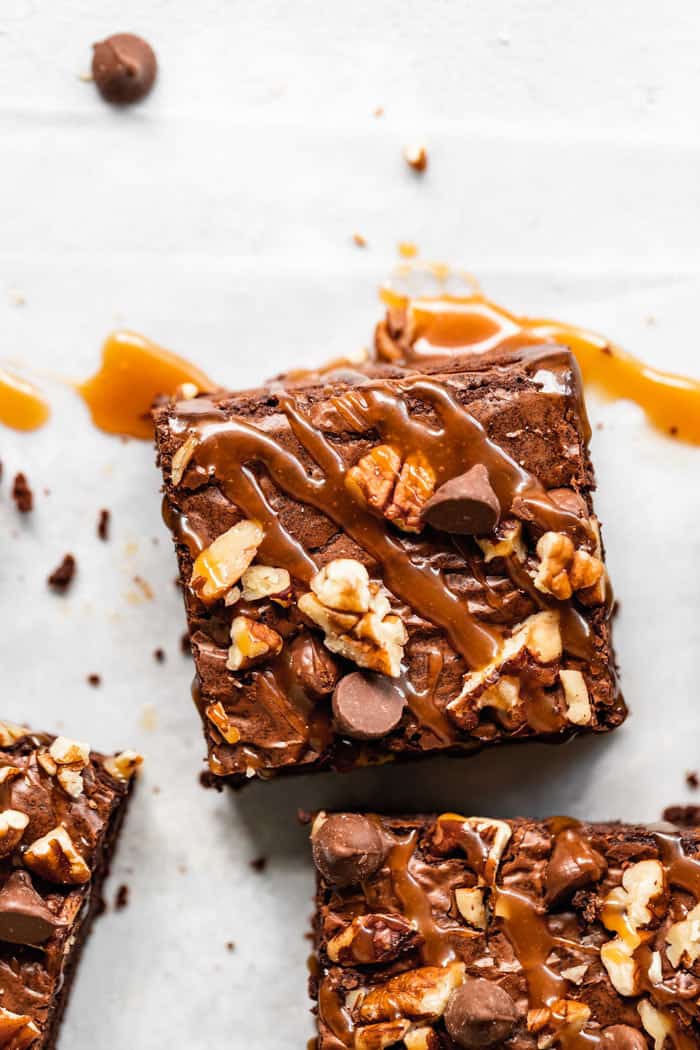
[(62, 576), (466, 505), (312, 666), (348, 848), (622, 1037), (124, 68), (24, 917), (573, 865), (22, 494), (479, 1013), (367, 706)]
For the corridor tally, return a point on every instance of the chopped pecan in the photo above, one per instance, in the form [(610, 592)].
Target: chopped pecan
[(395, 488), (420, 995), (217, 568), (55, 858), (17, 1031), (250, 642), (372, 939)]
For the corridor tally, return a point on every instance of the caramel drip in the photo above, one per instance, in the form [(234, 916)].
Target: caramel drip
[(475, 324), (21, 405), (415, 904), (133, 373), (180, 527), (422, 702), (333, 1012), (682, 870)]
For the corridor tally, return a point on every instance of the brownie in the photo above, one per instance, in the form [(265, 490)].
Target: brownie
[(388, 563), (435, 933), (62, 806)]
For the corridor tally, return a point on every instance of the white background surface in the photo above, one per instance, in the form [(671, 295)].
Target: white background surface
[(217, 218)]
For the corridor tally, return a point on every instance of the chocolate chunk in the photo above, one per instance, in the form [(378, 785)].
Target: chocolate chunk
[(573, 865), (24, 918), (62, 576), (124, 68), (466, 504), (159, 656), (622, 1037), (367, 706), (312, 665), (683, 816), (94, 680), (692, 779), (479, 1013), (570, 501), (348, 848), (121, 898), (22, 494)]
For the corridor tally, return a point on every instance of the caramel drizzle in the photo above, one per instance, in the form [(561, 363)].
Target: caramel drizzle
[(422, 701), (227, 449), (415, 904), (475, 324), (21, 405)]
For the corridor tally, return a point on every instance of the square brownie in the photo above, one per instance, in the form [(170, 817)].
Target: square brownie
[(62, 807), (387, 563), (435, 933)]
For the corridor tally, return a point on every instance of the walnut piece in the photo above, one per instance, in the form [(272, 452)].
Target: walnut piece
[(222, 564), (372, 938), (472, 907), (17, 1031), (578, 705), (657, 1024), (634, 905), (557, 1023), (563, 569), (508, 542), (68, 758), (218, 717), (262, 581), (124, 765), (12, 828), (420, 994), (178, 464), (250, 642), (55, 858), (379, 1036), (494, 834), (355, 616), (683, 940), (10, 733), (398, 490)]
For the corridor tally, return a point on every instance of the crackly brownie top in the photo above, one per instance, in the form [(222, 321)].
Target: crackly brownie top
[(429, 536), (56, 801), (456, 932)]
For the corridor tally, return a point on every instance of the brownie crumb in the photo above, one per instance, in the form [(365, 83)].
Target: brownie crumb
[(692, 779), (258, 864), (22, 494), (94, 680), (122, 898), (230, 946), (62, 576), (416, 157), (683, 816), (103, 523), (159, 656), (359, 240), (185, 644)]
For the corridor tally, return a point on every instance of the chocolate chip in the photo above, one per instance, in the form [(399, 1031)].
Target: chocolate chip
[(312, 666), (573, 865), (62, 576), (347, 848), (479, 1013), (367, 706), (24, 917), (466, 504), (622, 1037), (22, 494), (570, 501), (124, 68)]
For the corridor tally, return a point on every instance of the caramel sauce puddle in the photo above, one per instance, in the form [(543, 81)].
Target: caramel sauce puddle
[(133, 373), (474, 324), (21, 405)]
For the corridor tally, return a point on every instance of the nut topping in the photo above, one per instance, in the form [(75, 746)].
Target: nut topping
[(343, 585), (222, 564), (55, 858), (124, 765), (379, 1036), (17, 1031), (181, 458), (373, 939), (12, 828), (472, 907), (251, 642), (683, 940), (563, 1019), (640, 899), (578, 705), (262, 581), (11, 733), (658, 1024), (564, 570), (398, 490), (421, 995), (218, 717)]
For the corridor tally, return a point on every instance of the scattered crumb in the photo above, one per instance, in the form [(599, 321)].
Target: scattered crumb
[(182, 869), (407, 249), (145, 587), (131, 548), (159, 656), (599, 426), (607, 350), (22, 494), (230, 946), (258, 864), (62, 576), (692, 779), (416, 157), (185, 644), (101, 907), (673, 431), (178, 583), (683, 816), (155, 789), (359, 240), (87, 78), (16, 298), (379, 111), (122, 897), (149, 717), (94, 680), (103, 523)]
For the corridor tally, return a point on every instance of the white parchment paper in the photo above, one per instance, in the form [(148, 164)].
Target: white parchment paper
[(217, 218)]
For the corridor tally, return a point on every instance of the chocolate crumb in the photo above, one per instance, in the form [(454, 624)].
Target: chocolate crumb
[(606, 350), (230, 946), (416, 157), (94, 680), (359, 240), (692, 779), (122, 897), (683, 816), (103, 523), (185, 644), (673, 431), (62, 576), (159, 655), (258, 864), (22, 494)]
